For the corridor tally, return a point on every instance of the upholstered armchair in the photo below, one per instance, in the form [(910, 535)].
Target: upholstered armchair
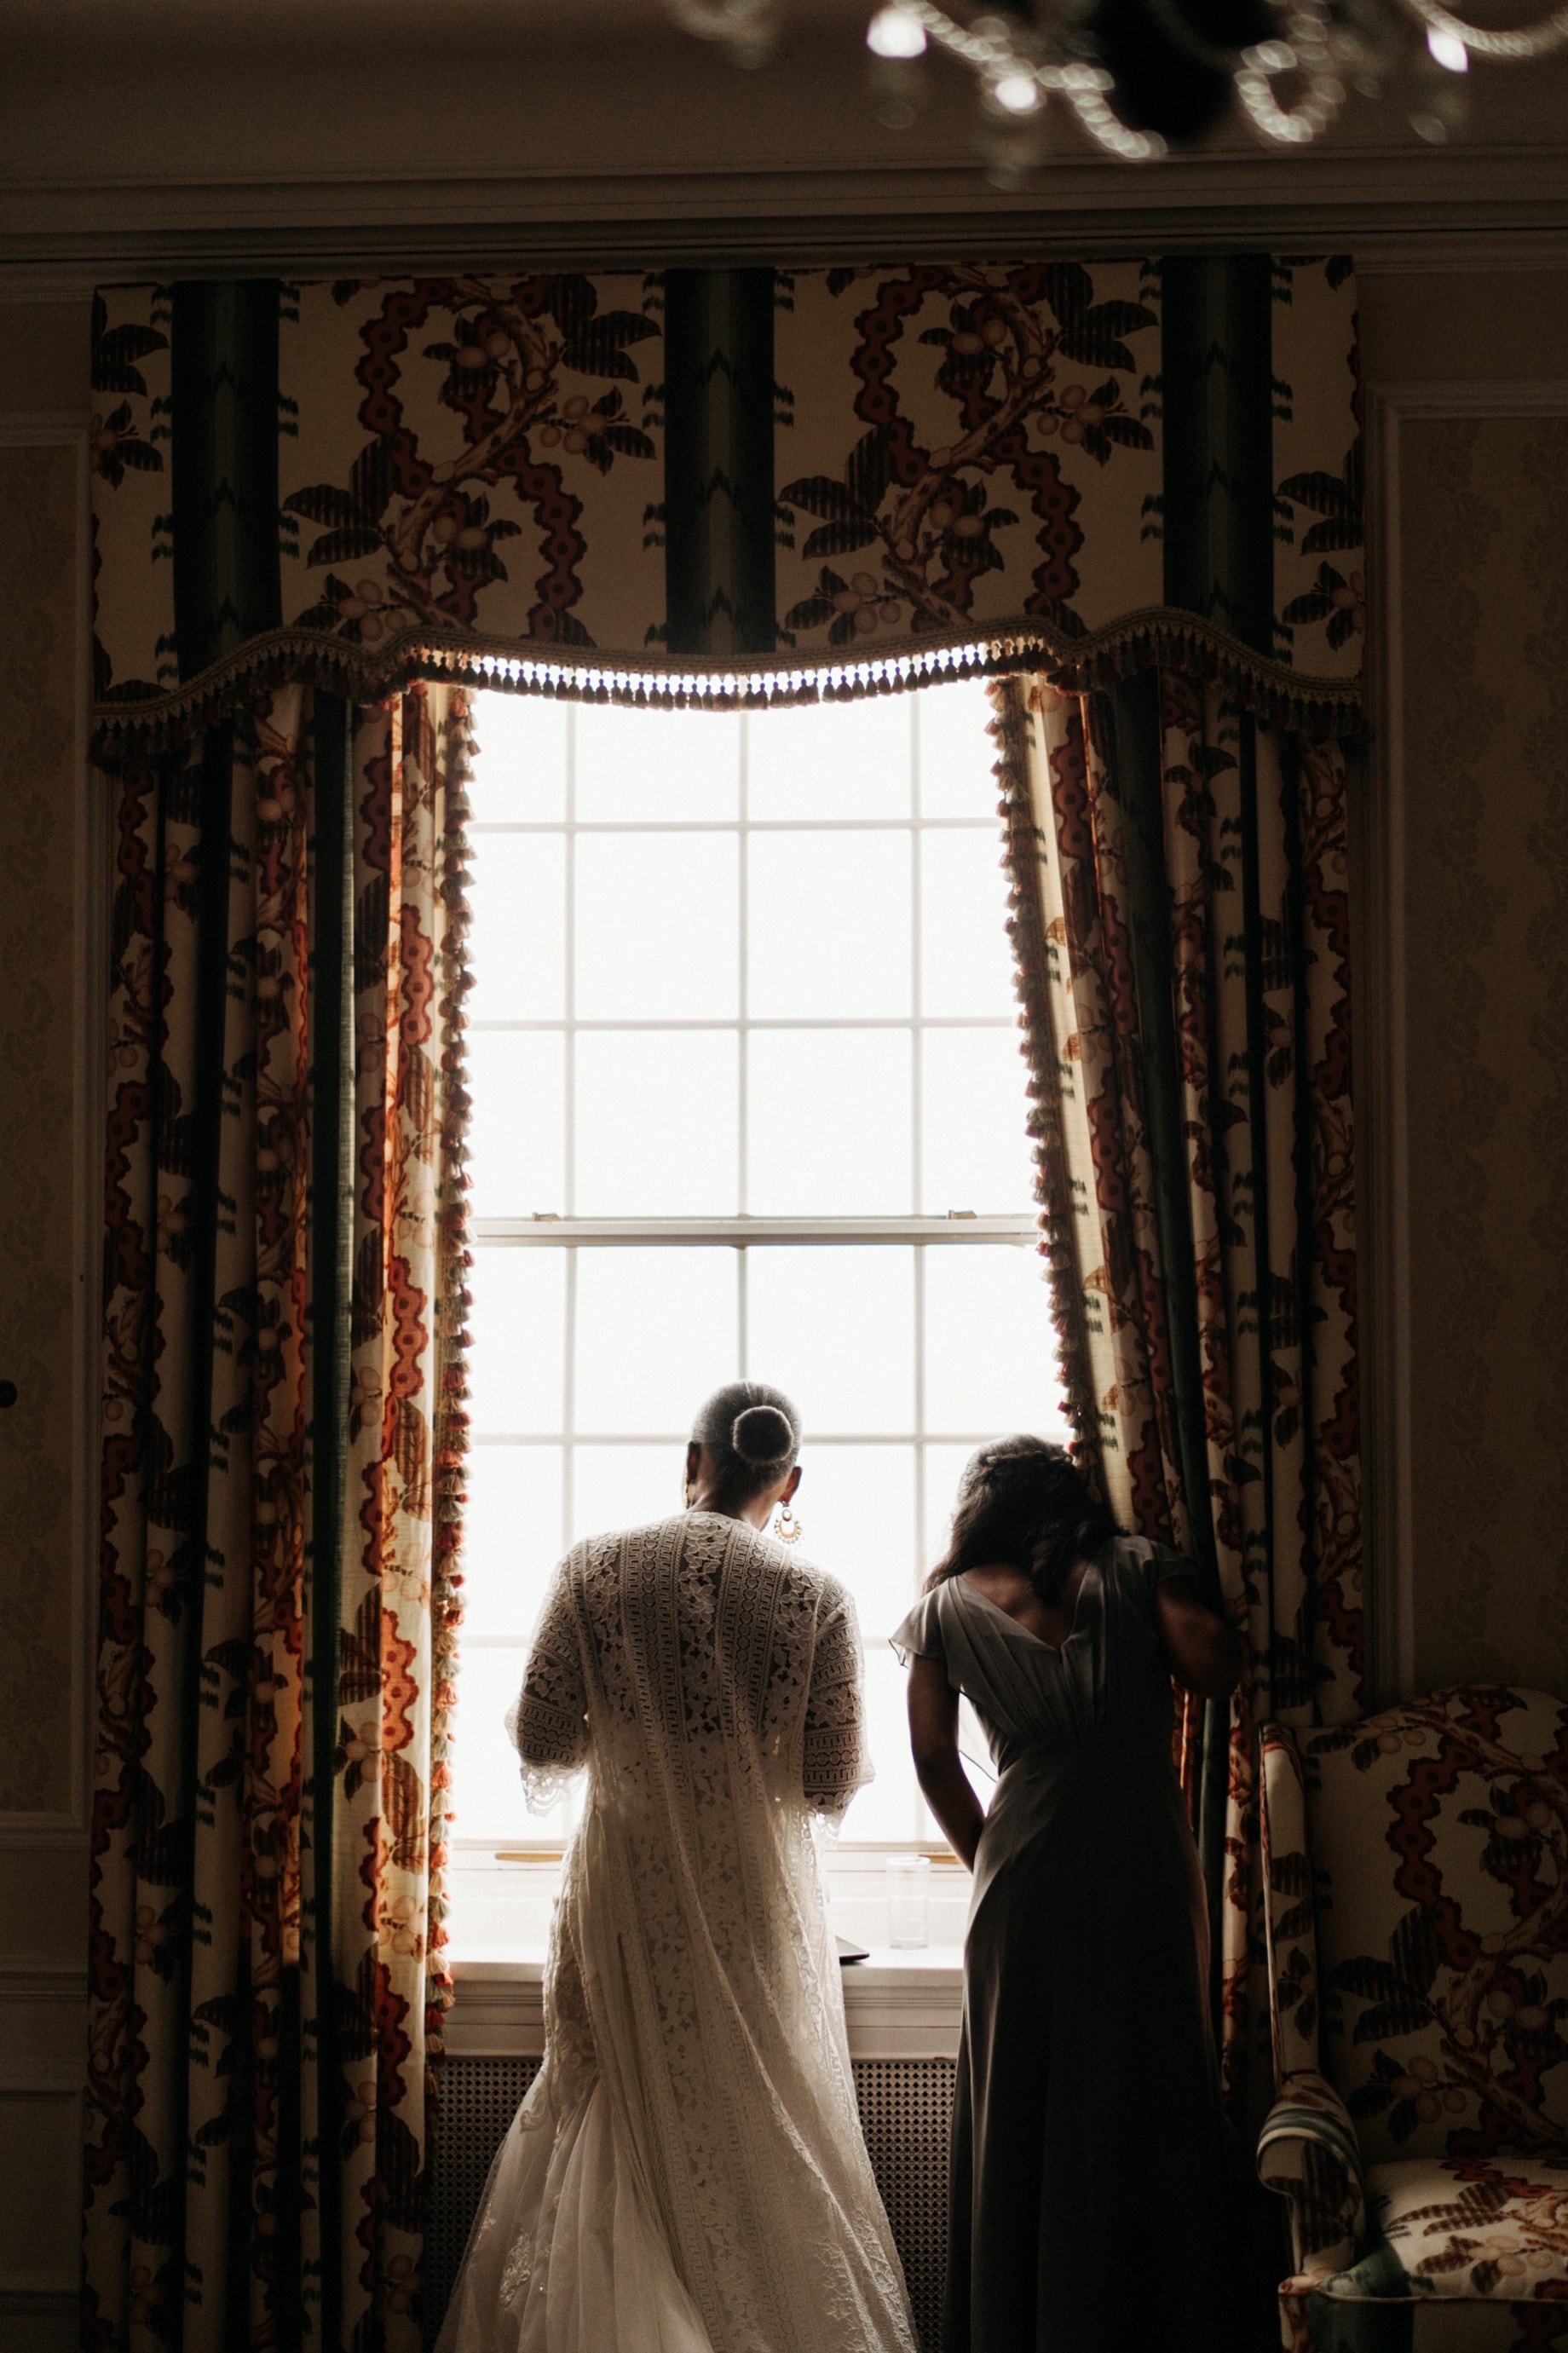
[(1417, 1875)]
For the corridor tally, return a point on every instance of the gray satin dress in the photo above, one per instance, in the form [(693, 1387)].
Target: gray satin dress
[(1088, 2202)]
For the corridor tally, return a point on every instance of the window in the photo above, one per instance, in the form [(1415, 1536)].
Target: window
[(748, 1101)]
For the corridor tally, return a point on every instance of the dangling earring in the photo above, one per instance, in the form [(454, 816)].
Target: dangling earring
[(786, 1528)]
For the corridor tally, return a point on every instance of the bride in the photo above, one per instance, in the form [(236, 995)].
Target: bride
[(688, 2173)]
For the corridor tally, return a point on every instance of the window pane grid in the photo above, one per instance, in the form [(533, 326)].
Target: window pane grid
[(800, 906), (628, 970)]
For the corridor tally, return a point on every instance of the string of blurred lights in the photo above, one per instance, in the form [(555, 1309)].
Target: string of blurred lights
[(1141, 76)]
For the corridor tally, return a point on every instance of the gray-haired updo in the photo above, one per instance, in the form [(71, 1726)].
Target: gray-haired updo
[(751, 1432)]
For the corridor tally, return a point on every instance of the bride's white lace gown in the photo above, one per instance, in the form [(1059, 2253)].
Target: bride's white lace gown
[(688, 2173)]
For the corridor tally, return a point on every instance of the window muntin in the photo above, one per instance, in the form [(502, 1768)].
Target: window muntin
[(748, 1099)]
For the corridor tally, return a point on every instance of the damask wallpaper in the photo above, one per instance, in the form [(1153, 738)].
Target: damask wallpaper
[(39, 687), (1485, 569)]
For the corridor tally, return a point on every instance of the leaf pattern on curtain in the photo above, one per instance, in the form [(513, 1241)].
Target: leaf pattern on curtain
[(968, 443), (514, 461), (1320, 576), (1255, 951), (265, 1979), (400, 1610), (472, 452)]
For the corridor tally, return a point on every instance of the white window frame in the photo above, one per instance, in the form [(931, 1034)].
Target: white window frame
[(956, 1228)]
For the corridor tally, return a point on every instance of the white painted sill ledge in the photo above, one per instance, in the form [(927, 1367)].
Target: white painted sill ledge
[(898, 2004)]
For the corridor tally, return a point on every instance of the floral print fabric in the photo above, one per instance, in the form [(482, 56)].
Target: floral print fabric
[(483, 458), (1440, 1844), (1419, 1941), (1232, 865), (1476, 2226), (1290, 1908), (276, 1617)]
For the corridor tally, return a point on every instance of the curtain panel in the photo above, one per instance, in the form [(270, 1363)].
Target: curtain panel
[(1182, 926), (281, 1466)]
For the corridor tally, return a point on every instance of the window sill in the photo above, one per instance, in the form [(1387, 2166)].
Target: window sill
[(897, 2005), (500, 1901)]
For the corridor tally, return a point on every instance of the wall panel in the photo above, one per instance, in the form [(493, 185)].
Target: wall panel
[(51, 1087), (1484, 565)]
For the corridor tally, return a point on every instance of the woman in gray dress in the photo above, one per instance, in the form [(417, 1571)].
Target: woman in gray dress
[(1088, 2208)]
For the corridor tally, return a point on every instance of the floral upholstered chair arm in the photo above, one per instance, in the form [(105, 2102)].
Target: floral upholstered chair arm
[(1308, 2152)]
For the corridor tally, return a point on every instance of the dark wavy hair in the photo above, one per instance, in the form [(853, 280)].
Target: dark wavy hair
[(1024, 1502)]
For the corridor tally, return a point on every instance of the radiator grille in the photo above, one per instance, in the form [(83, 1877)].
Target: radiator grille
[(905, 2107), (479, 2098)]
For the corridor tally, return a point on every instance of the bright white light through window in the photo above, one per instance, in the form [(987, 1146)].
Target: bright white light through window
[(748, 1101)]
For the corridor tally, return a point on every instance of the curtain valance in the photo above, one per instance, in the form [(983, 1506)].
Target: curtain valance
[(599, 484)]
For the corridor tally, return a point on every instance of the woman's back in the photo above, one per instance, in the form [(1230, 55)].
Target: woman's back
[(714, 1683), (1087, 2088), (709, 1682), (1108, 1676), (706, 1659)]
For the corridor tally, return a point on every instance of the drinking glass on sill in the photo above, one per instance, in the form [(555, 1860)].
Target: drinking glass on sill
[(909, 1900)]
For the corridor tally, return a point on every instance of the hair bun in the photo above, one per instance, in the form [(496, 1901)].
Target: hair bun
[(761, 1434)]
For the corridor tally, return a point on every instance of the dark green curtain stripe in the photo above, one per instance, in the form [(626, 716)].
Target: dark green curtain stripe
[(1299, 1274), (1138, 783), (332, 1249), (1217, 399), (1138, 786), (718, 461), (165, 1835), (213, 1212), (196, 794), (224, 465), (1280, 1682)]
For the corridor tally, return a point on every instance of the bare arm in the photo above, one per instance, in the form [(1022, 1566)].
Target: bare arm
[(1205, 1653), (934, 1737)]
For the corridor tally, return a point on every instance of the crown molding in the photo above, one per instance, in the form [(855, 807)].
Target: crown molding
[(1450, 253), (1479, 208), (1454, 250)]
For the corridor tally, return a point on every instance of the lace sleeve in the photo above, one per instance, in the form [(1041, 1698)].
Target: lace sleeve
[(835, 1760), (548, 1722)]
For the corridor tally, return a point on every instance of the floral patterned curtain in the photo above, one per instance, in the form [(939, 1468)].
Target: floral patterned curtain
[(779, 467), (283, 1436), (1181, 926)]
